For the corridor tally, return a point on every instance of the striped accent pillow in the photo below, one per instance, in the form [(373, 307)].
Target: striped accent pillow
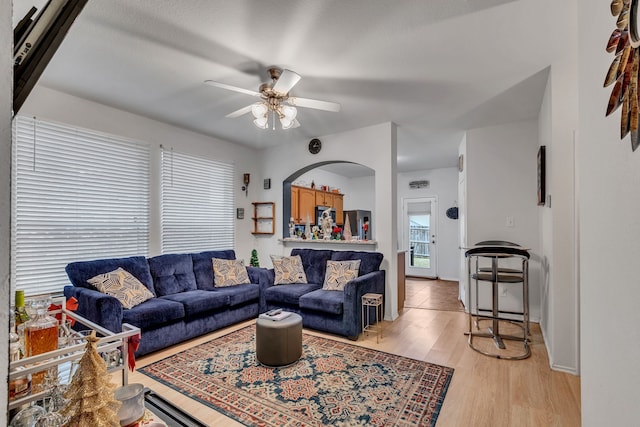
[(229, 272), (122, 285), (288, 270), (339, 273)]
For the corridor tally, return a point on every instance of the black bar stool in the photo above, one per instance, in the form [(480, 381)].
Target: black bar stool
[(498, 253)]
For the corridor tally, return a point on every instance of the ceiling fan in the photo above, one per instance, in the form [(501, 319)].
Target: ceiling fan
[(275, 99)]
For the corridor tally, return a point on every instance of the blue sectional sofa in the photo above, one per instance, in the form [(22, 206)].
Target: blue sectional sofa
[(186, 303), (338, 312)]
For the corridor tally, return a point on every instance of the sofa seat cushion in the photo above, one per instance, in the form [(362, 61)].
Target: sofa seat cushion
[(172, 273), (369, 261), (203, 268), (153, 312), (323, 300), (199, 301), (288, 294), (239, 294)]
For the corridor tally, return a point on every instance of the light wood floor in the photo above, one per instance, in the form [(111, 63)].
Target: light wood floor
[(432, 294), (483, 392)]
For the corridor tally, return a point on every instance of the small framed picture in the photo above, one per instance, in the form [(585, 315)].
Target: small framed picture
[(541, 175), (267, 183), (240, 213)]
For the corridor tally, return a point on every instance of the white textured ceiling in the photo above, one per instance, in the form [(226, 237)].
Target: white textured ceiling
[(434, 67)]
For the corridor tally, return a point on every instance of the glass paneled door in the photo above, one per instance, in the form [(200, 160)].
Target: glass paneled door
[(420, 236)]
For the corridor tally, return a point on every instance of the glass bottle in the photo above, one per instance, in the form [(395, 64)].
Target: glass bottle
[(21, 386), (40, 336), (21, 318)]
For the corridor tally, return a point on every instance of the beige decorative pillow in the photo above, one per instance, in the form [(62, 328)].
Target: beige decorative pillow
[(339, 273), (288, 270), (229, 272), (122, 285)]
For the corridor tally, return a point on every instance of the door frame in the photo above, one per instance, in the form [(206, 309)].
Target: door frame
[(433, 225)]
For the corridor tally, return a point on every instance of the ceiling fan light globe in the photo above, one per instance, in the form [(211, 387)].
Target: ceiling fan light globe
[(259, 110), (289, 112), (261, 122), (286, 122)]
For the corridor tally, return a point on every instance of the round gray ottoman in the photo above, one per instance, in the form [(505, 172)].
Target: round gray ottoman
[(279, 342)]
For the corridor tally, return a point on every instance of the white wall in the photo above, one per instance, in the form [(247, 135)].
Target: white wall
[(557, 123), (362, 195), (374, 147), (6, 97), (609, 182), (443, 184), (48, 104), (501, 179)]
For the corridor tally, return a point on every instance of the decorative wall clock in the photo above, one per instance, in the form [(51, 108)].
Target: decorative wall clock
[(623, 72)]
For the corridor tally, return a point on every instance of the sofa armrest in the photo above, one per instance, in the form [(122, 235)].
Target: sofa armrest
[(264, 278), (353, 291), (97, 307)]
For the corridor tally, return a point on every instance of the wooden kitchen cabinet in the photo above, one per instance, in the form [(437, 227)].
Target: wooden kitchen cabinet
[(336, 204), (323, 198), (306, 205), (295, 204), (304, 201)]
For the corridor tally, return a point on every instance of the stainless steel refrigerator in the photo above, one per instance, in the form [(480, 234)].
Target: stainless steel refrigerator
[(357, 220)]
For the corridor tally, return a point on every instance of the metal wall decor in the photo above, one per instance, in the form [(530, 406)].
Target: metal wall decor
[(623, 72)]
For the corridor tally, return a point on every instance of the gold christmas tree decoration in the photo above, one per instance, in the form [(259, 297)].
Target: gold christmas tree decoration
[(91, 400)]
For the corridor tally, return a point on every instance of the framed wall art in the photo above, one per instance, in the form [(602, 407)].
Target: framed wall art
[(541, 175)]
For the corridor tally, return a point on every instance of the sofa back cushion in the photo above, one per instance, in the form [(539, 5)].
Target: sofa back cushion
[(369, 261), (81, 271), (172, 274), (314, 262), (203, 266)]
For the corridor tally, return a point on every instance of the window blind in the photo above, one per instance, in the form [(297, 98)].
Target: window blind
[(197, 203), (76, 195)]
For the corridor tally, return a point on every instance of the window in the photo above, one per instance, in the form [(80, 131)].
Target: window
[(76, 195), (197, 203)]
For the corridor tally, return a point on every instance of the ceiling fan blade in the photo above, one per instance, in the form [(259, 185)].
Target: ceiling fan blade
[(233, 88), (286, 81), (240, 112), (314, 103)]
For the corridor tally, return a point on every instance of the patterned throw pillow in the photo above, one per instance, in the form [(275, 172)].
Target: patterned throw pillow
[(122, 285), (339, 273), (288, 270), (229, 272)]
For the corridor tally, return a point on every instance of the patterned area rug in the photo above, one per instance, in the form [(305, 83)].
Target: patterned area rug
[(334, 383)]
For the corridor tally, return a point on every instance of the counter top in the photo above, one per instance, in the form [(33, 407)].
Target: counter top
[(289, 240)]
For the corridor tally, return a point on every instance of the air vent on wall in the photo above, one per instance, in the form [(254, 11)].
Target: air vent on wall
[(418, 184)]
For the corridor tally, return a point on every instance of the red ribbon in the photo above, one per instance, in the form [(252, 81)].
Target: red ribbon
[(134, 343), (71, 305)]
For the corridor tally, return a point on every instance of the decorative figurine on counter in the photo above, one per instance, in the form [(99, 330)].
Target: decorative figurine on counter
[(292, 228), (315, 233), (327, 224)]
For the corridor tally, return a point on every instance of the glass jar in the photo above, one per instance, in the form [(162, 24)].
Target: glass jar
[(21, 386), (40, 336)]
